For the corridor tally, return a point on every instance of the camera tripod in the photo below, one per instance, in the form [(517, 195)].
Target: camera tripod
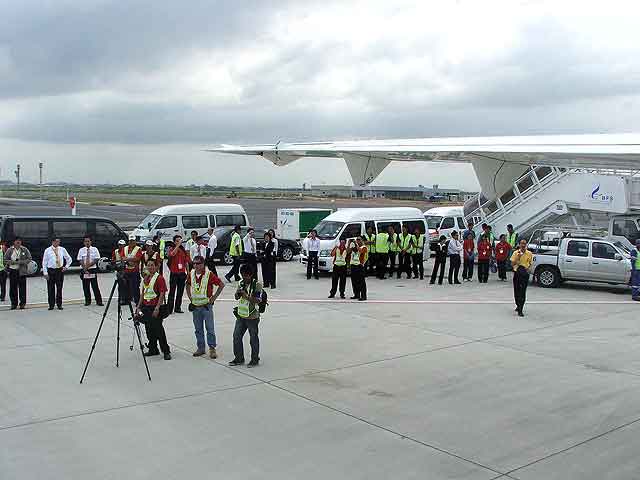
[(118, 282)]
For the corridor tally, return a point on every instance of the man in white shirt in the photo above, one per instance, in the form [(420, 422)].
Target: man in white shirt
[(249, 244), (212, 244), (312, 246), (55, 262), (454, 250), (88, 257), (198, 249)]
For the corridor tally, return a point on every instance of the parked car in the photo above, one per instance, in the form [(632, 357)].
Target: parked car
[(37, 232), (558, 258), (287, 249)]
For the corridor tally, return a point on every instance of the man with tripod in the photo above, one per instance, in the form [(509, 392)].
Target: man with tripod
[(152, 297)]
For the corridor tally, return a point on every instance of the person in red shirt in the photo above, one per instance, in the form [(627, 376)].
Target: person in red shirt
[(503, 250), (468, 247), (484, 256), (202, 297), (178, 262), (150, 253), (132, 254), (357, 259), (152, 297)]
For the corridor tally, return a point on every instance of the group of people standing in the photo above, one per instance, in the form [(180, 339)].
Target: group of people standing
[(244, 250)]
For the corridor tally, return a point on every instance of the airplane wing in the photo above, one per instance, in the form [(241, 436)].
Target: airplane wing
[(367, 158)]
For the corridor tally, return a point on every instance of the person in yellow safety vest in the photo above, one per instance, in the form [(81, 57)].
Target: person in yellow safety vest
[(405, 242), (394, 248), (357, 260), (418, 248), (635, 272), (382, 254), (200, 284), (153, 290), (149, 254), (235, 250), (132, 254), (370, 242), (247, 315), (339, 274), (512, 237)]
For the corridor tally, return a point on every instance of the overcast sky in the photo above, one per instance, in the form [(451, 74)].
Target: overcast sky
[(115, 91)]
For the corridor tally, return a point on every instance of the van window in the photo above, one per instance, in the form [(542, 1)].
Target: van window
[(461, 224), (107, 230), (227, 220), (447, 223), (194, 221), (603, 250), (577, 248), (167, 222), (31, 228), (412, 224), (71, 229), (351, 230), (626, 227), (383, 226), (371, 224), (433, 221)]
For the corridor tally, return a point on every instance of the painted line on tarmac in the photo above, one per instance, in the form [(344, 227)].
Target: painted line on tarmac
[(383, 302)]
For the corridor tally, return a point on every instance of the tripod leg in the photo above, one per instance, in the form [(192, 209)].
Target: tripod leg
[(118, 334), (136, 325), (95, 340)]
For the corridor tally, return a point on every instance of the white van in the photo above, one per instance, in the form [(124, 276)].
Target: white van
[(349, 223), (173, 220), (443, 221)]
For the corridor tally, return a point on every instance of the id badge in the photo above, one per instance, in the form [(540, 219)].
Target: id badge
[(179, 266), (89, 276)]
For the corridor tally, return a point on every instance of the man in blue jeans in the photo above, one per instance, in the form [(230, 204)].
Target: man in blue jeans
[(200, 284)]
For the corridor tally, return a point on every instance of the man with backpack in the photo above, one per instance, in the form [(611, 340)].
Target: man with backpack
[(251, 301)]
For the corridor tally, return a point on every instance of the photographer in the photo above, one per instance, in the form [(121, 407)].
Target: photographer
[(178, 261), (247, 315), (132, 253), (200, 284), (148, 310)]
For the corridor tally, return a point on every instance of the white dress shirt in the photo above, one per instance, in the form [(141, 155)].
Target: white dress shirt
[(312, 244), (90, 255), (275, 245), (455, 247), (50, 260), (198, 250), (213, 243), (249, 244)]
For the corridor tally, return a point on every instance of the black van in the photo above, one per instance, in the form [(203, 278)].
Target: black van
[(37, 232)]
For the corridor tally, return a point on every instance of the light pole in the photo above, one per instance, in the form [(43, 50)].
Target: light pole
[(17, 172), (40, 165)]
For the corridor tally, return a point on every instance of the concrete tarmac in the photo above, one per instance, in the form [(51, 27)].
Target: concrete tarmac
[(436, 382)]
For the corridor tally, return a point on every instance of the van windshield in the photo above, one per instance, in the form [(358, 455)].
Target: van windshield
[(149, 219), (329, 230), (433, 221)]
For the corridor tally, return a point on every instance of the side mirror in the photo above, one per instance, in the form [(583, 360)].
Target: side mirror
[(618, 257)]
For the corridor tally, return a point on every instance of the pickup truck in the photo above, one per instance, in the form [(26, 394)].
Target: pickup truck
[(582, 259)]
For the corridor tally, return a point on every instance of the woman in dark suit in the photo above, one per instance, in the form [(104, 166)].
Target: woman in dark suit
[(268, 262), (440, 260)]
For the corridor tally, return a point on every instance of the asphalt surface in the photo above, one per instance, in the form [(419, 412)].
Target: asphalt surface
[(261, 211)]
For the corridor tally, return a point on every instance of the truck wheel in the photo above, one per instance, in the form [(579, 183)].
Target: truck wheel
[(227, 259), (548, 277), (287, 254)]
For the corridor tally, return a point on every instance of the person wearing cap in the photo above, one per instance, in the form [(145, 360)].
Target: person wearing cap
[(635, 272), (132, 255), (150, 253)]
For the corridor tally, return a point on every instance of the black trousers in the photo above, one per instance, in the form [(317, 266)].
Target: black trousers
[(372, 264), (211, 265), (17, 288), (418, 265), (312, 263), (242, 325), (251, 260), (235, 269), (483, 271), (338, 277), (392, 262), (454, 268), (382, 259), (155, 330), (467, 269), (520, 283), (439, 264), (502, 269), (269, 272), (176, 290), (358, 281), (404, 264), (54, 286), (133, 284), (3, 285), (93, 283)]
